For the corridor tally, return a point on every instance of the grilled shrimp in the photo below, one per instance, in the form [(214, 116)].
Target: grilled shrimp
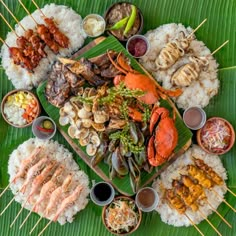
[(189, 72), (58, 194), (49, 187), (33, 172), (27, 163), (67, 202), (42, 177)]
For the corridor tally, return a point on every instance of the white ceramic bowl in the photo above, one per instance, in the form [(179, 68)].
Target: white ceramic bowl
[(37, 129)]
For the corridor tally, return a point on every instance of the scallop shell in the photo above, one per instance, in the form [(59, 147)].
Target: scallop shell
[(100, 117), (83, 133), (87, 123), (84, 141), (95, 140), (68, 107)]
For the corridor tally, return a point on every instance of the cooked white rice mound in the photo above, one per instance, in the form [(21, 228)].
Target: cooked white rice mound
[(171, 216), (201, 90), (53, 151), (69, 23)]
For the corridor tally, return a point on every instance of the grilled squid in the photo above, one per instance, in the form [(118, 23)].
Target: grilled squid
[(170, 54), (189, 72)]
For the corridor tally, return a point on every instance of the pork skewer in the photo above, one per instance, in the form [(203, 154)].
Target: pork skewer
[(58, 36), (43, 32), (25, 165), (205, 182), (191, 201), (176, 203), (46, 190), (211, 173)]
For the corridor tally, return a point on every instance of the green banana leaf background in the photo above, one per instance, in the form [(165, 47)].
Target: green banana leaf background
[(220, 26)]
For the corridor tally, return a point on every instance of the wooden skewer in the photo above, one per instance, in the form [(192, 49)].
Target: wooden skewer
[(197, 28), (209, 222), (194, 225), (9, 183), (230, 191), (38, 8), (21, 3), (222, 218), (45, 227), (13, 222), (9, 25), (219, 47), (31, 231), (223, 199), (8, 205), (26, 218), (13, 15)]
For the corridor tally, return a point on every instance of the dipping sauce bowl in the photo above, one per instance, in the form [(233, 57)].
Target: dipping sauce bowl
[(94, 25), (102, 193), (147, 199), (137, 46), (194, 117)]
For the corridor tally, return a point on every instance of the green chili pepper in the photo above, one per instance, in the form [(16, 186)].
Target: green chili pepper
[(119, 24), (131, 20)]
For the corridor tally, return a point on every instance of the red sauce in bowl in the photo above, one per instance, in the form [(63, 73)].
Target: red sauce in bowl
[(137, 46)]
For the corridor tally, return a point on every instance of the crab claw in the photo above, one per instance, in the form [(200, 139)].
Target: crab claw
[(151, 151)]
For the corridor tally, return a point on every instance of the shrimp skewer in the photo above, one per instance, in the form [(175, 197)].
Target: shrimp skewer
[(56, 197), (25, 165), (33, 172), (67, 202), (46, 190)]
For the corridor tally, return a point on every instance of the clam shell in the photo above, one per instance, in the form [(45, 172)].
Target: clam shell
[(84, 141), (64, 120), (83, 114), (98, 127), (86, 123), (95, 140), (91, 149), (72, 130), (100, 117), (83, 133), (68, 107)]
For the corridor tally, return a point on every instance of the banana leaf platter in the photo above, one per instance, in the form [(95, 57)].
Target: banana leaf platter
[(121, 184), (219, 27)]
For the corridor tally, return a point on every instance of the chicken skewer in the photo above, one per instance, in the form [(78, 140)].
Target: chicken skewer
[(176, 203), (58, 36), (67, 202), (31, 175), (43, 33), (211, 173), (56, 197), (205, 182), (25, 165), (46, 190), (191, 201)]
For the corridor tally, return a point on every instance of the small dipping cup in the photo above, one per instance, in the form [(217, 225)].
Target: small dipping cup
[(102, 193), (194, 117), (138, 46), (41, 134), (147, 199)]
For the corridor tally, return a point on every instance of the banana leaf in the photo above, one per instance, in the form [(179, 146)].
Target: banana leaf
[(219, 27)]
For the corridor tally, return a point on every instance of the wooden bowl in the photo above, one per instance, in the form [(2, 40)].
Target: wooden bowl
[(211, 123), (138, 22), (105, 208), (4, 100)]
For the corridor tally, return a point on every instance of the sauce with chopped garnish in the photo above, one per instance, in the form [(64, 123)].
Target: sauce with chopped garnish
[(216, 136)]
